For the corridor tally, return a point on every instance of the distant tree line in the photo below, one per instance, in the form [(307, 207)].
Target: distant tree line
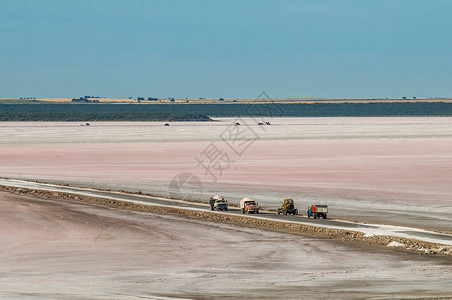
[(144, 99), (86, 99)]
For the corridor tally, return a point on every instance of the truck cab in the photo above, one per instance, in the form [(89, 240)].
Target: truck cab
[(220, 204)]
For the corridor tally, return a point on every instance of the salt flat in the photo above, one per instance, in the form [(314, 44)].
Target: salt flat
[(377, 170), (380, 170), (281, 128), (64, 250)]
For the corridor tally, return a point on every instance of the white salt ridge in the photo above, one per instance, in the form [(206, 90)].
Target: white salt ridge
[(396, 244)]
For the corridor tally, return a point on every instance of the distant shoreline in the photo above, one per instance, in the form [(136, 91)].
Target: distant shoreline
[(156, 101)]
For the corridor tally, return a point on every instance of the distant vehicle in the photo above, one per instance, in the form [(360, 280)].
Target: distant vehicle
[(166, 124), (318, 211), (288, 207), (218, 203), (237, 124), (268, 123), (248, 206), (260, 123)]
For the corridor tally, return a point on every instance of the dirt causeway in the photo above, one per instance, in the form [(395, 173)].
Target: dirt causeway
[(402, 244)]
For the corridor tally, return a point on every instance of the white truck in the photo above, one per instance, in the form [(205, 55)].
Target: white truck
[(218, 203)]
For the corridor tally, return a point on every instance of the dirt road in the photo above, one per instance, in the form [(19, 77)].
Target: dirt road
[(367, 229)]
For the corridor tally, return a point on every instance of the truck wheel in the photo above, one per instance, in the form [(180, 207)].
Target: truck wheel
[(243, 210), (324, 216), (285, 211), (295, 212), (257, 211), (279, 212)]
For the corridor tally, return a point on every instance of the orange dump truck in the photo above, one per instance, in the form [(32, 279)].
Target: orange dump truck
[(248, 205)]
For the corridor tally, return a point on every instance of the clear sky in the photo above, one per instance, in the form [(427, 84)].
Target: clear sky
[(231, 48)]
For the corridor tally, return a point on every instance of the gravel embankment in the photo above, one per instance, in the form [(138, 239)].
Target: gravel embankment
[(397, 243)]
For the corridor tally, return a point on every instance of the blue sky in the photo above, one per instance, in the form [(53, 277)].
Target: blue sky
[(234, 48)]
